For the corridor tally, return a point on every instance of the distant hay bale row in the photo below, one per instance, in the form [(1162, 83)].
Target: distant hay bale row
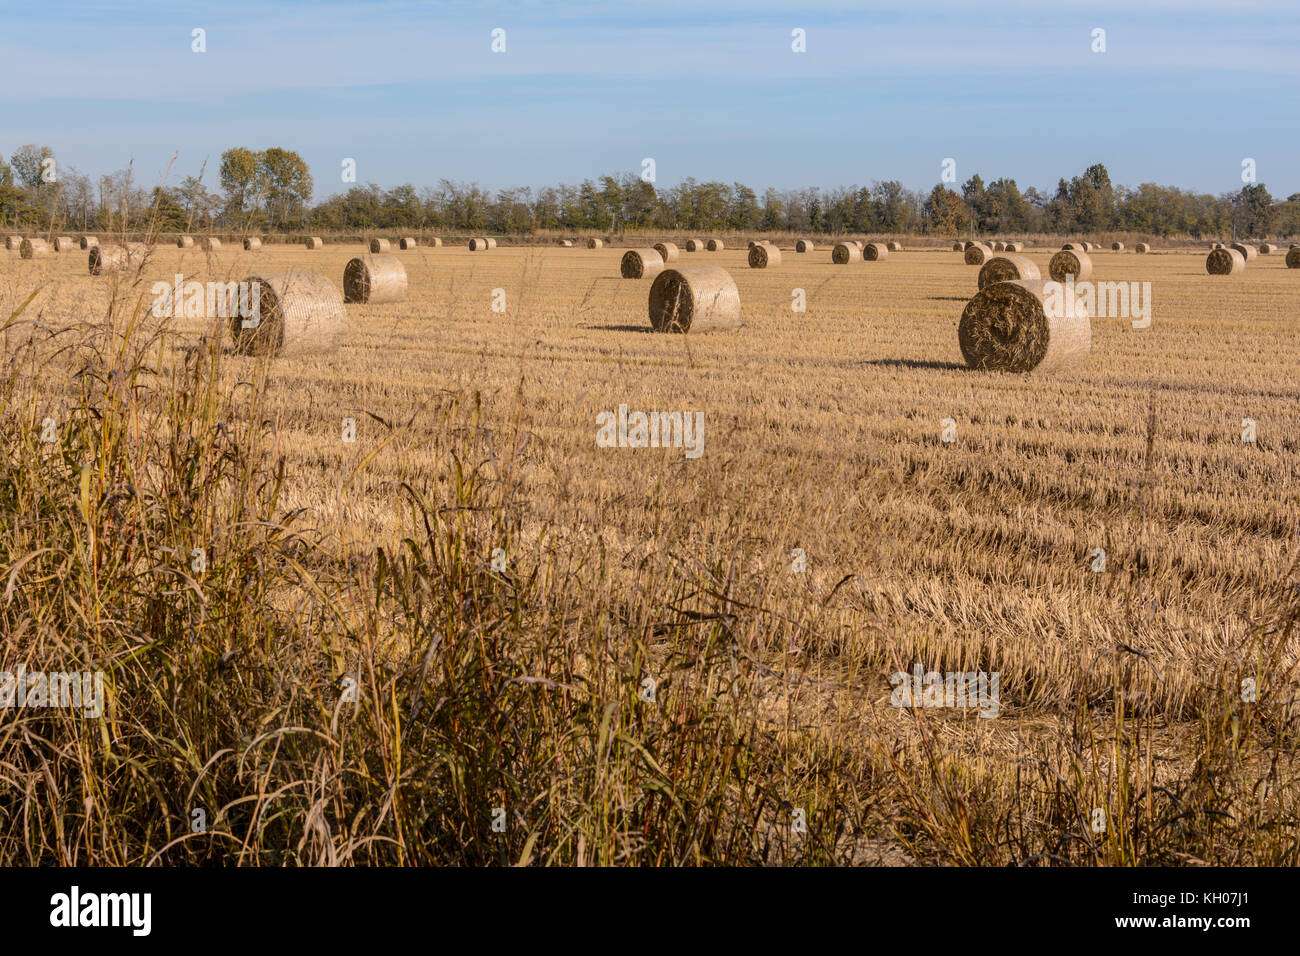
[(845, 252), (1016, 326), (252, 244), (763, 255), (641, 264), (1141, 248), (977, 254), (374, 279), (34, 249), (803, 245), (1070, 262), (694, 298), (668, 251), (1225, 262), (299, 312), (1007, 267), (594, 244), (314, 242), (105, 259), (379, 245), (714, 245)]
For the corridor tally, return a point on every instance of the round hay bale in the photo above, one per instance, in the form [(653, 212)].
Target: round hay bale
[(714, 245), (252, 244), (997, 245), (1117, 247), (65, 244), (13, 243), (1216, 245), (641, 264), (1293, 257), (34, 249), (751, 244), (298, 312), (1070, 262), (1141, 248), (958, 247), (88, 241), (1008, 267), (694, 298), (477, 245), (1017, 327), (694, 245), (184, 242), (668, 251), (1267, 249), (374, 279), (1248, 252), (803, 245), (314, 242), (435, 242), (407, 243), (1013, 247), (845, 252), (209, 243), (978, 254), (764, 255), (875, 252), (103, 259), (379, 245), (594, 244), (492, 243), (894, 246), (1074, 247), (1225, 262), (562, 243)]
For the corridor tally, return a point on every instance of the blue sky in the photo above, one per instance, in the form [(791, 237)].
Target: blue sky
[(886, 90)]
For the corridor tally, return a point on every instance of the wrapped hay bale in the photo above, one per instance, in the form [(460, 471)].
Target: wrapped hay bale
[(1008, 267), (668, 251), (1067, 262), (875, 252), (845, 252), (1293, 258), (379, 245), (65, 244), (209, 243), (803, 245), (252, 244), (699, 298), (1248, 252), (88, 241), (594, 244), (694, 245), (1267, 249), (1141, 248), (103, 259), (34, 249), (314, 242), (477, 245), (1023, 326), (374, 279), (1117, 247), (894, 246), (1013, 247), (1225, 262), (978, 254), (763, 255), (714, 245), (298, 312), (641, 264)]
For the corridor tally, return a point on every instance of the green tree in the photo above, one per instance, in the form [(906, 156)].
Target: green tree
[(240, 175), (287, 181)]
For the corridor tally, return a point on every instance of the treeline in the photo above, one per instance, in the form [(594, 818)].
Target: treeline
[(271, 190)]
